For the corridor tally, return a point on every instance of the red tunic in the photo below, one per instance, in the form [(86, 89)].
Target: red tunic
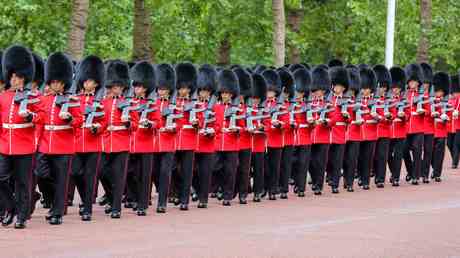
[(338, 121), (303, 129), (225, 141), (416, 123), (143, 140), (85, 140), (440, 126), (384, 126), (322, 133), (398, 128), (245, 136), (289, 132), (275, 136), (206, 141)]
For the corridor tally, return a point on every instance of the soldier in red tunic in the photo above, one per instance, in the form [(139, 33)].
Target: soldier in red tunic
[(453, 138), (17, 135), (428, 122)]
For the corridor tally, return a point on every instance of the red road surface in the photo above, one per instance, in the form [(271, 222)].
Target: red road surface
[(409, 221)]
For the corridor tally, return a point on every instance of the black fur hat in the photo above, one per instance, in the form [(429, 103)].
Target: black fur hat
[(260, 87), (17, 59), (273, 80), (414, 72), (335, 62), (383, 76), (207, 78), (90, 68), (303, 80), (398, 77), (308, 66), (166, 77), (323, 66), (117, 73), (228, 82), (244, 80), (260, 69), (143, 73), (59, 67), (287, 81), (39, 76), (361, 66), (441, 81), (340, 76), (321, 80), (355, 78), (186, 75), (368, 79), (427, 73), (294, 67), (454, 83)]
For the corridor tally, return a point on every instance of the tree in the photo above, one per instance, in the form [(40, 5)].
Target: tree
[(279, 32), (78, 24), (223, 52), (142, 47), (425, 22)]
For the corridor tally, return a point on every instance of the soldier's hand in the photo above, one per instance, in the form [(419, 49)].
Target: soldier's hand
[(65, 116), (401, 114), (29, 118), (346, 114), (435, 114), (127, 124)]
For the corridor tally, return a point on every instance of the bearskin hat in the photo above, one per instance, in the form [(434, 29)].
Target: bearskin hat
[(454, 83), (427, 73), (166, 77), (39, 76), (59, 67), (260, 87), (273, 81), (117, 73), (294, 67), (228, 82), (321, 80), (244, 80), (368, 79), (186, 75), (414, 72), (441, 82), (334, 62), (355, 78), (361, 66), (398, 77), (260, 68), (303, 80), (308, 66), (143, 74), (323, 66), (383, 76), (90, 68), (207, 78), (19, 60), (340, 76), (287, 81)]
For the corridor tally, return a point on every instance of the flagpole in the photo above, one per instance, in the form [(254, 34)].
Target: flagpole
[(389, 49)]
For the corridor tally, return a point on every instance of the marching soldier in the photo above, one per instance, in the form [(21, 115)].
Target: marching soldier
[(120, 121), (244, 154), (383, 128), (400, 113), (453, 138), (415, 128), (165, 146), (61, 118), (205, 154), (17, 138), (428, 122), (88, 142), (143, 140)]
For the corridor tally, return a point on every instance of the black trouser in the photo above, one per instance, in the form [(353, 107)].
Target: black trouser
[(163, 168), (286, 168), (116, 169), (438, 156), (318, 163), (453, 143), (18, 168), (395, 156), (104, 178), (382, 149), (184, 174), (350, 162), (85, 168), (59, 166), (143, 168), (300, 166), (335, 163), (258, 166), (229, 161), (365, 159), (205, 166), (132, 178), (242, 175), (43, 178), (272, 166), (414, 145), (428, 140)]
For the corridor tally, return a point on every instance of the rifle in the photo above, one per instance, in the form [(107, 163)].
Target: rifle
[(145, 109), (259, 116), (91, 111), (68, 100), (209, 115), (232, 113), (420, 99), (22, 97), (125, 105), (191, 107), (169, 113), (276, 110), (357, 109)]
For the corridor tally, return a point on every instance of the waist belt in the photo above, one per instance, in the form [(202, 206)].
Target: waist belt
[(397, 120), (116, 128), (416, 114), (57, 127), (17, 126), (340, 123), (304, 125), (188, 127), (371, 122)]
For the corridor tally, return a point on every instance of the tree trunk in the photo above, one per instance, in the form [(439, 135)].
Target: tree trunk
[(294, 20), (76, 38), (142, 49), (223, 52), (424, 41), (279, 32)]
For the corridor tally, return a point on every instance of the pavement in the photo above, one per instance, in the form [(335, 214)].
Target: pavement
[(408, 221)]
